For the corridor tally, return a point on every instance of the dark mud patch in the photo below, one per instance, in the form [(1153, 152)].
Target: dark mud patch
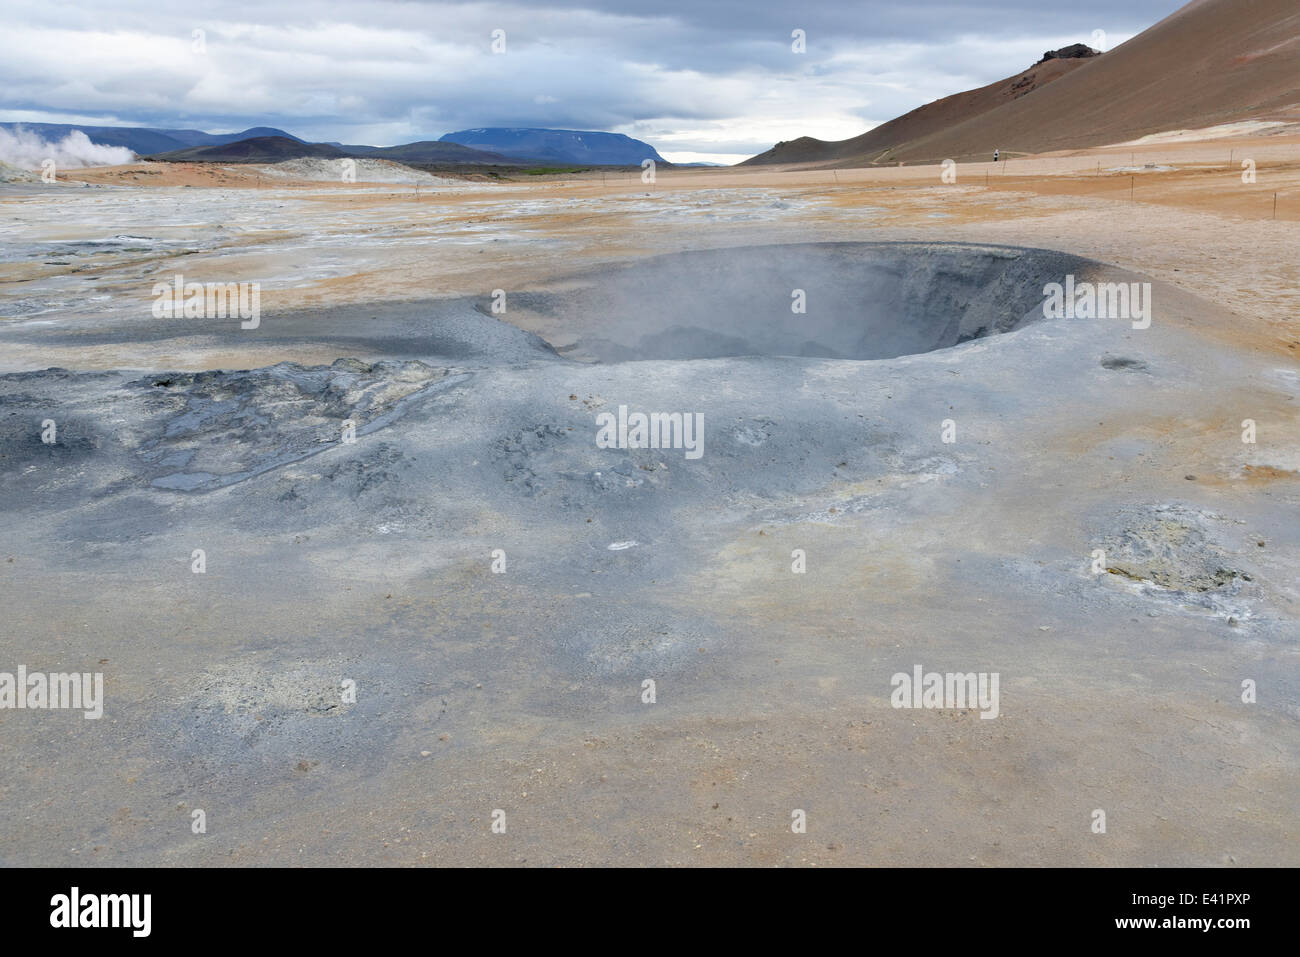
[(220, 428)]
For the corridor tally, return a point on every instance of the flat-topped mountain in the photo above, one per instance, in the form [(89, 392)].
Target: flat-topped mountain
[(580, 147)]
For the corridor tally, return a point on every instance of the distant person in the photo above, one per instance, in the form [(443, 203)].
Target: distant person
[(995, 156)]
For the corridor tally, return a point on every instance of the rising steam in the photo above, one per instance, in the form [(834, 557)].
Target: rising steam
[(23, 148)]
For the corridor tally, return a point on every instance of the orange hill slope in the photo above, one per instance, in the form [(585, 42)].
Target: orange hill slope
[(878, 144), (1211, 62)]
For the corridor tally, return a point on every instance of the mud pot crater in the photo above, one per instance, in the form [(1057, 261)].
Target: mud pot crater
[(860, 301)]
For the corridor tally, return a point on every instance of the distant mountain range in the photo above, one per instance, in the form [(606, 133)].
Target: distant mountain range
[(429, 151), (264, 144), (255, 149), (581, 147), (142, 140), (274, 149)]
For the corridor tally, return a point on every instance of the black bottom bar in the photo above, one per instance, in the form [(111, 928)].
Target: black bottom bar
[(944, 908)]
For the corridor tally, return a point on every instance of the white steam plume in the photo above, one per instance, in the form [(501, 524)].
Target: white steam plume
[(28, 150)]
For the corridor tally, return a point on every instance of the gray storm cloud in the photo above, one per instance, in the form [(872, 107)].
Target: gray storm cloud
[(711, 78)]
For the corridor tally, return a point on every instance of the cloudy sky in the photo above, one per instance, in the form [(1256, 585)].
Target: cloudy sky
[(711, 80)]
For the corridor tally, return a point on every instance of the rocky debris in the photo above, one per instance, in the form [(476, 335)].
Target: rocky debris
[(1024, 85), (1171, 547), (15, 174)]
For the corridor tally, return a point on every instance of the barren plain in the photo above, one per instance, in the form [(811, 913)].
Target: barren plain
[(522, 691)]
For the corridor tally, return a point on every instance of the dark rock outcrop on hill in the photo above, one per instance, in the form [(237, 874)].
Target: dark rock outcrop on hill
[(1075, 51)]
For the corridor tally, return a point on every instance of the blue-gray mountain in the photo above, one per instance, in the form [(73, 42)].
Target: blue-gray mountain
[(583, 147), (267, 144), (144, 140)]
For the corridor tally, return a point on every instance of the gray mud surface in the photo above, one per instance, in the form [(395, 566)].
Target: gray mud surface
[(372, 561)]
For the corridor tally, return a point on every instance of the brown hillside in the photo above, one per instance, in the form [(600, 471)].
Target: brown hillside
[(1211, 62), (923, 121)]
